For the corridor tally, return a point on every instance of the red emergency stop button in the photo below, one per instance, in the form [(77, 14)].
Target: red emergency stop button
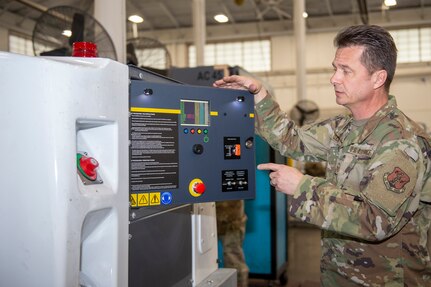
[(197, 187), (87, 166)]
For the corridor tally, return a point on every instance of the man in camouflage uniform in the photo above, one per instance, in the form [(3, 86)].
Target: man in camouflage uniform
[(231, 220), (374, 205)]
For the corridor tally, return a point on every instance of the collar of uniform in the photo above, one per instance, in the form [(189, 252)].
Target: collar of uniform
[(375, 119), (341, 127), (369, 127)]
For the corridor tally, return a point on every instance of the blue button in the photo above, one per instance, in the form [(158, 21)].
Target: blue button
[(166, 197), (186, 131)]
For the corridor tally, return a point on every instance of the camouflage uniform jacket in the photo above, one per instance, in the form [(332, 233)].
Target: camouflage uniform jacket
[(373, 206)]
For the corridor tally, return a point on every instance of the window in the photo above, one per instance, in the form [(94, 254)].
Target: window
[(253, 56), (425, 37), (152, 57), (414, 45), (24, 45), (20, 45)]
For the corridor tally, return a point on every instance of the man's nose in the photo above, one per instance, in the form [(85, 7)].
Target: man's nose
[(334, 79)]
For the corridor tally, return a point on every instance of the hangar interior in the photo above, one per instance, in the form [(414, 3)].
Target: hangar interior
[(288, 44)]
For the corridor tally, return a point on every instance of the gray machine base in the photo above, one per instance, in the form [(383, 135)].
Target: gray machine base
[(223, 277)]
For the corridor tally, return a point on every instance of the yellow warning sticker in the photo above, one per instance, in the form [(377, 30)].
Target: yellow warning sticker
[(143, 199), (155, 198), (133, 200)]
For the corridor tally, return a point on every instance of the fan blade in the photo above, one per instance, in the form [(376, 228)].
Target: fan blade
[(56, 52), (77, 29), (300, 109), (302, 120), (311, 111)]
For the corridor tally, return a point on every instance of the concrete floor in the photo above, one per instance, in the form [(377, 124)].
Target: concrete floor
[(303, 255)]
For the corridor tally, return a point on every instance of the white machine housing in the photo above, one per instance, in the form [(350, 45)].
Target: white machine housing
[(56, 231)]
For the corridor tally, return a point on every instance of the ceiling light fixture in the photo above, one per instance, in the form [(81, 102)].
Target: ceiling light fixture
[(305, 14), (390, 3), (67, 33), (221, 18), (136, 19)]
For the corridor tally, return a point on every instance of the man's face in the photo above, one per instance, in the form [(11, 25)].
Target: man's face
[(352, 82)]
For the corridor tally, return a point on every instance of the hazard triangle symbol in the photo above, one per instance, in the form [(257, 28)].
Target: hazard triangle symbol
[(155, 199), (132, 200), (143, 200)]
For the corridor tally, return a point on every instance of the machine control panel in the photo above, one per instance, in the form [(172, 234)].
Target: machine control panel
[(190, 144)]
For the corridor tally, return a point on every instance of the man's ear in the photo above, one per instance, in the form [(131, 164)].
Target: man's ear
[(379, 78)]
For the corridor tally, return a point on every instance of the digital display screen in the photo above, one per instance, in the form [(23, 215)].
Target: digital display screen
[(195, 113)]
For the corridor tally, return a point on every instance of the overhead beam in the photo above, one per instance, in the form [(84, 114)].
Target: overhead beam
[(5, 8), (139, 10), (271, 5), (422, 9), (169, 14), (330, 11), (363, 11), (85, 5), (329, 8), (33, 5), (259, 14), (228, 13)]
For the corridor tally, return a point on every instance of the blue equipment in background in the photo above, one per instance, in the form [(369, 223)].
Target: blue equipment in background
[(265, 244)]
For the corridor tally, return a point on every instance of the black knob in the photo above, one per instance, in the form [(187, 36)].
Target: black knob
[(198, 149)]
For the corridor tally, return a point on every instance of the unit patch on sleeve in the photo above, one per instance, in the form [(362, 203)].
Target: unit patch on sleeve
[(396, 180), (392, 180)]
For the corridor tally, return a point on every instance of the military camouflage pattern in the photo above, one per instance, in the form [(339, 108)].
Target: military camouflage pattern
[(231, 221), (374, 205)]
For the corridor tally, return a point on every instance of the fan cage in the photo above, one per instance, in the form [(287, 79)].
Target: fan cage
[(50, 32), (151, 53)]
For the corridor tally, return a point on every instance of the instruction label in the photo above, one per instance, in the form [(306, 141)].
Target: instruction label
[(154, 162)]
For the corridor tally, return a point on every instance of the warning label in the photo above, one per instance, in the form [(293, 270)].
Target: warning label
[(155, 198), (154, 162), (133, 200), (143, 199)]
